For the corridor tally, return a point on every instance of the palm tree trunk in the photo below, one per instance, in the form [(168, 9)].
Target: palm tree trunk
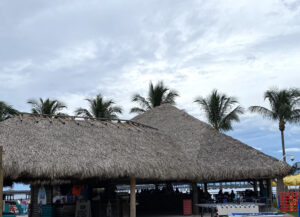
[(282, 143)]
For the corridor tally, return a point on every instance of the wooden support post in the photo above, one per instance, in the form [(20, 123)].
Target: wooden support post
[(261, 188), (32, 200), (205, 188), (269, 189), (280, 185), (132, 197), (195, 199), (1, 182), (255, 186)]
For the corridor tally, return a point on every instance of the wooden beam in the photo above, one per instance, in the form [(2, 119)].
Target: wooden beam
[(195, 198), (1, 182), (132, 197)]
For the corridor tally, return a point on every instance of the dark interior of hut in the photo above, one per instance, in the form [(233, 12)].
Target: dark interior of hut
[(103, 200), (110, 199), (164, 200), (107, 201)]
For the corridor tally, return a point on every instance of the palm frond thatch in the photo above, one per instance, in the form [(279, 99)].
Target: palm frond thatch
[(219, 156), (37, 149)]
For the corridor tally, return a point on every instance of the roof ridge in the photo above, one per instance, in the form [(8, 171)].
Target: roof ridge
[(75, 118)]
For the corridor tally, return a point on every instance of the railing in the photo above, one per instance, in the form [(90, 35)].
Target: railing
[(229, 185)]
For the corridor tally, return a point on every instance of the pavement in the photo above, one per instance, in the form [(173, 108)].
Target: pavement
[(288, 215), (205, 215)]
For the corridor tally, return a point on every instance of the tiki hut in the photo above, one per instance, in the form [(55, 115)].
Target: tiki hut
[(164, 144), (48, 148), (52, 152), (218, 157)]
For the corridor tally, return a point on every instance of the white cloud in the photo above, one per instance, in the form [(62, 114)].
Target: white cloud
[(73, 49), (290, 150), (70, 57)]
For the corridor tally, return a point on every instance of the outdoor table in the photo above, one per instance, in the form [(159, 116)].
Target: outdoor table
[(226, 208)]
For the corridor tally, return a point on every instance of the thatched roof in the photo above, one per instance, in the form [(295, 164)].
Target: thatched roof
[(39, 148), (218, 157)]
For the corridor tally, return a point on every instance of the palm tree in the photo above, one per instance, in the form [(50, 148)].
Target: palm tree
[(46, 107), (220, 110), (157, 95), (284, 109), (6, 111), (100, 108)]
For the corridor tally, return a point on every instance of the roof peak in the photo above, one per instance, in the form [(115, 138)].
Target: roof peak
[(173, 108)]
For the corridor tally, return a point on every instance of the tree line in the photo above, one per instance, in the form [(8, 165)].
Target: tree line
[(220, 110)]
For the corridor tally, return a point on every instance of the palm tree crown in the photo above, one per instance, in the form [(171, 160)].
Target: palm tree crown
[(284, 108), (100, 108), (6, 111), (220, 110), (46, 107), (157, 95)]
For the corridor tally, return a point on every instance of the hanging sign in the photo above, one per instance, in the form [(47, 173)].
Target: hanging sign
[(42, 197)]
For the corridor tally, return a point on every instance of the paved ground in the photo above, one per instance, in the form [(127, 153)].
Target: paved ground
[(288, 215), (205, 215)]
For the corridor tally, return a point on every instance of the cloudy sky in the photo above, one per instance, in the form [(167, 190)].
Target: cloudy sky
[(71, 50)]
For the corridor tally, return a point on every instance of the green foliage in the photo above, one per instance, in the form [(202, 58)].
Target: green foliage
[(220, 110), (6, 111), (100, 108), (284, 106), (46, 107), (157, 95)]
